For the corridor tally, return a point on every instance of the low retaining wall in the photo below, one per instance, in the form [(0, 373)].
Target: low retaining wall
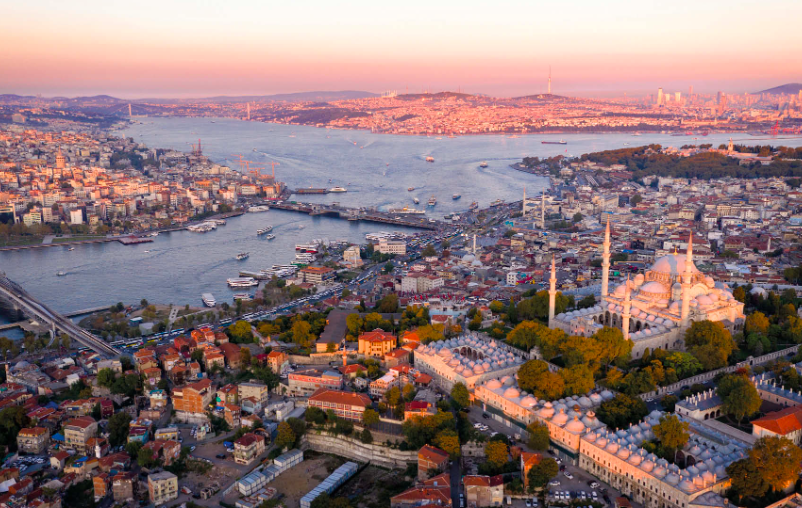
[(377, 455), (321, 358)]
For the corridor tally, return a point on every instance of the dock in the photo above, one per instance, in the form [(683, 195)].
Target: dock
[(359, 214)]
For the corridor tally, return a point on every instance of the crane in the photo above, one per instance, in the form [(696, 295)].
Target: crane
[(273, 168)]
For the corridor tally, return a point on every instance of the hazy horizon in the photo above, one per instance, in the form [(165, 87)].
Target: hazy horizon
[(183, 49)]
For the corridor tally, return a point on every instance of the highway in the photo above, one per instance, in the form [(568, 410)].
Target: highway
[(30, 306)]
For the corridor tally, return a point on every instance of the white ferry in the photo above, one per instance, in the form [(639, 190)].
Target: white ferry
[(304, 257), (338, 189), (242, 282), (245, 297), (270, 237), (208, 300), (259, 208)]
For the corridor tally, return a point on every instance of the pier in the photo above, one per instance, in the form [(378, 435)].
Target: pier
[(359, 214)]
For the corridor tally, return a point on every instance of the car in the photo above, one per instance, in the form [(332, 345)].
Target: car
[(221, 455), (568, 475), (485, 416), (528, 502), (192, 448), (649, 400), (554, 483), (594, 485), (534, 501)]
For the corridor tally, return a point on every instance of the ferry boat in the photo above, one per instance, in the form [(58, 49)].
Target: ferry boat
[(259, 208), (270, 237), (473, 206), (416, 201), (242, 256), (497, 202), (456, 196), (260, 232), (245, 297), (338, 189), (306, 247), (406, 210), (304, 257), (71, 249), (242, 282), (208, 300), (410, 189), (448, 217), (379, 235), (429, 158), (155, 233), (483, 164), (560, 142), (432, 201), (61, 274), (203, 227)]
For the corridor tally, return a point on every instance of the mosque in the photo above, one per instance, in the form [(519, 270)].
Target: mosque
[(656, 307)]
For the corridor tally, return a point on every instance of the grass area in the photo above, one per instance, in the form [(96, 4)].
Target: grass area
[(13, 241), (78, 238)]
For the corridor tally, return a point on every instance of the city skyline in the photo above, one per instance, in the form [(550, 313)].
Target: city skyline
[(185, 50)]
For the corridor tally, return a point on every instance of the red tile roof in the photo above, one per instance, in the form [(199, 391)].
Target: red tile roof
[(782, 422), (338, 397), (432, 454)]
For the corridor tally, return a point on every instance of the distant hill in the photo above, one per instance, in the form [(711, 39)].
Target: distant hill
[(789, 88), (320, 96)]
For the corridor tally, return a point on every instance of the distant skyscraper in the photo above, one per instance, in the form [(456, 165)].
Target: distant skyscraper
[(549, 92), (660, 97), (690, 90), (249, 111), (677, 97), (722, 103)]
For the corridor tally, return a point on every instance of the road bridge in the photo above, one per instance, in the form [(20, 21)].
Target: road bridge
[(31, 307)]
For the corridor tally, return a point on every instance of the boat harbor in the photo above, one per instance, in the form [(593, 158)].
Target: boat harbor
[(358, 214)]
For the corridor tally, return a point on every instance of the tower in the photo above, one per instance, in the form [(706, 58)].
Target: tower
[(61, 161), (523, 204), (659, 96), (686, 284), (474, 245), (552, 291), (730, 147), (625, 315), (543, 210), (606, 260), (249, 111), (549, 92)]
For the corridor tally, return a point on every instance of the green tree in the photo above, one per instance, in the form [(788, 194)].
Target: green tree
[(12, 419), (541, 473), (635, 200), (146, 459), (739, 397), (578, 217), (460, 396), (622, 411), (354, 324), (538, 436), (496, 307), (577, 379), (430, 333), (448, 441), (756, 322), (285, 437), (710, 343), (671, 433), (388, 304), (245, 357), (366, 436), (106, 377), (778, 461), (612, 345), (586, 302), (497, 454), (534, 377), (118, 427), (370, 417), (747, 480), (428, 251), (302, 333), (740, 294), (240, 331)]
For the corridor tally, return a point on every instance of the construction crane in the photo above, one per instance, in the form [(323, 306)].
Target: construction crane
[(775, 129), (273, 168)]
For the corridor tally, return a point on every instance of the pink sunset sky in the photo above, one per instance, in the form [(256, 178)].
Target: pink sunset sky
[(178, 48)]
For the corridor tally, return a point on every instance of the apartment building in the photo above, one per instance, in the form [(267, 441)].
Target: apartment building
[(33, 440), (346, 405), (248, 448), (431, 462), (317, 274), (162, 487), (253, 389), (398, 247), (278, 361), (376, 343), (306, 382), (77, 433), (193, 399)]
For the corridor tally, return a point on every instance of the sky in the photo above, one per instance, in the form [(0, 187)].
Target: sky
[(183, 48)]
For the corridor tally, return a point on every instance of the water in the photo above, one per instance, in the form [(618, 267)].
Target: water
[(376, 170)]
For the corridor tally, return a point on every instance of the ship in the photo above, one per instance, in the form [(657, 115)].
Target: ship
[(242, 256), (406, 210), (307, 248), (270, 237), (260, 232), (208, 300), (203, 227), (483, 164), (242, 282), (310, 190), (432, 201), (304, 257), (416, 200), (61, 274), (497, 202), (259, 208), (410, 189), (338, 189), (429, 158), (456, 196), (245, 297), (560, 142), (473, 206)]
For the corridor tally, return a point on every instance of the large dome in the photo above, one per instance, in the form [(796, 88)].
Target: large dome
[(672, 264)]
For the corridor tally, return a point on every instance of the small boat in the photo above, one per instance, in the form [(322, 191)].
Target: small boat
[(242, 255), (338, 189), (497, 202), (560, 142), (242, 282), (429, 159), (483, 164), (270, 237), (260, 232), (71, 249), (245, 297), (410, 189), (61, 274), (416, 200), (146, 251), (432, 201), (456, 196), (208, 300), (473, 206), (258, 208)]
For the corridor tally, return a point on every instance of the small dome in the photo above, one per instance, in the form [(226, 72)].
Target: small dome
[(575, 426), (639, 279), (511, 393), (612, 447), (493, 384), (623, 453), (585, 402), (672, 479), (560, 418), (709, 282), (647, 466), (704, 300), (687, 485), (507, 380), (659, 472), (607, 395), (528, 401), (653, 287)]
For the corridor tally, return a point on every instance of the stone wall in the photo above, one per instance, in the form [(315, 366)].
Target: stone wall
[(342, 446)]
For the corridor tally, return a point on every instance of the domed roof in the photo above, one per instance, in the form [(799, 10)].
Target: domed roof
[(653, 287), (528, 401), (638, 279), (672, 264), (493, 384), (561, 418), (575, 426), (511, 393)]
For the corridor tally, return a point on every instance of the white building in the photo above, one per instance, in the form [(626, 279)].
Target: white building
[(387, 246), (76, 216)]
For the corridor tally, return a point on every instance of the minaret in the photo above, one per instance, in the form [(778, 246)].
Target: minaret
[(549, 92), (686, 283), (474, 244), (543, 210), (606, 261), (625, 315), (730, 148), (523, 204), (552, 291)]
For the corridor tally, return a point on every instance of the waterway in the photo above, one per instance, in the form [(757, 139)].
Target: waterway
[(376, 170)]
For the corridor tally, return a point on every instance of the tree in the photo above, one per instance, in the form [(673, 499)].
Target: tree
[(496, 307), (534, 377), (428, 251), (578, 217), (541, 473), (710, 343), (525, 334), (302, 333), (448, 441), (315, 415), (285, 437), (366, 436), (739, 294), (612, 344), (106, 377), (672, 433), (118, 427), (747, 480), (460, 396), (685, 364), (388, 304), (146, 459), (475, 323), (12, 419), (739, 397), (298, 428), (393, 396), (388, 267), (586, 302), (621, 411), (635, 200), (354, 324), (538, 436), (577, 379), (777, 459), (245, 357), (430, 333), (240, 332), (497, 454), (370, 417), (757, 322)]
